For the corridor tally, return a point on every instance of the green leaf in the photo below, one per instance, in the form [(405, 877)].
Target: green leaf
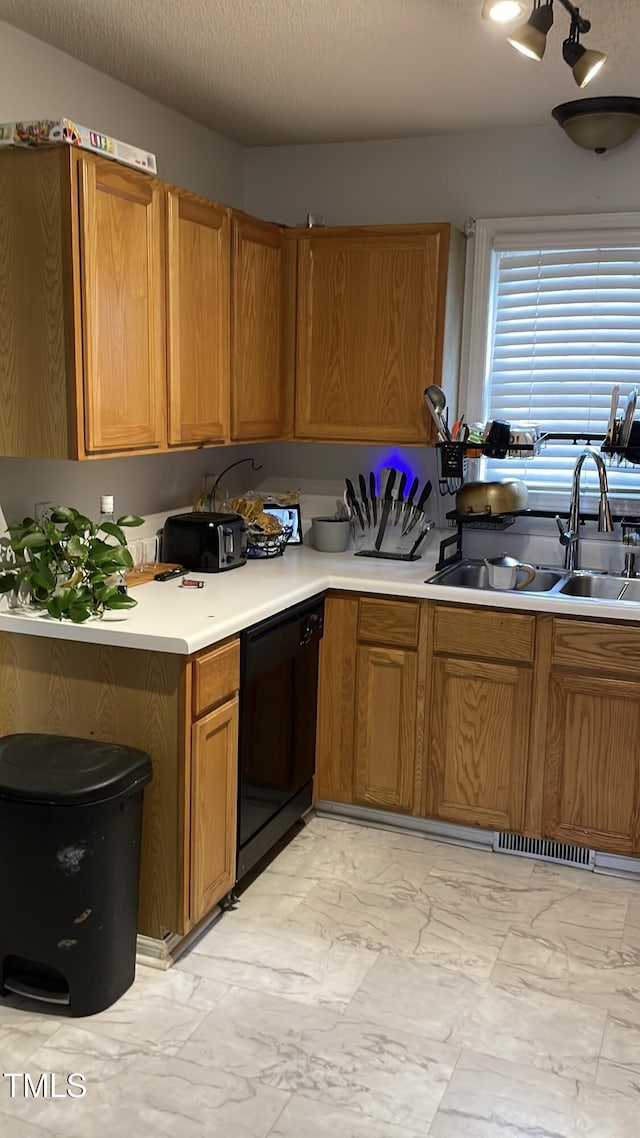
[(65, 598), (130, 520), (44, 578), (121, 601), (8, 581), (114, 531), (105, 592), (79, 612), (35, 540), (118, 557), (77, 549), (54, 608), (63, 514)]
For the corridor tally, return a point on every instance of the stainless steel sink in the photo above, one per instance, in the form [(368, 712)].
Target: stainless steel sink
[(474, 575), (593, 585), (583, 584)]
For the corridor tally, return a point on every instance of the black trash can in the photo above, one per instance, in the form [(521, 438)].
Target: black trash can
[(70, 829)]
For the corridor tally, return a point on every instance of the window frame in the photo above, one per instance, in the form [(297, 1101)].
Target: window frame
[(488, 236)]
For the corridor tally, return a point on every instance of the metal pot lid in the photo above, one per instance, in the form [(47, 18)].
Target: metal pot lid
[(503, 560)]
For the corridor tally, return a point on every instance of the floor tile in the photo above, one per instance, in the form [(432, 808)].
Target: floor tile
[(619, 1064), (491, 1098), (355, 854), (308, 1118), (417, 997), (585, 969), (22, 1031), (535, 1029), (134, 1093), (381, 1073), (631, 931), (279, 958), (12, 1127), (386, 920)]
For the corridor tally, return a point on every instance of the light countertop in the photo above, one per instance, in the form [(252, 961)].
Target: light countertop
[(169, 618)]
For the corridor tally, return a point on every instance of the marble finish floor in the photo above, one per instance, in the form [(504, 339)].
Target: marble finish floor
[(369, 985)]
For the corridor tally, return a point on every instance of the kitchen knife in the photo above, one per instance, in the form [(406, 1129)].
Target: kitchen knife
[(355, 505), (408, 506), (424, 529), (365, 500), (386, 508), (374, 497), (400, 498), (420, 506)]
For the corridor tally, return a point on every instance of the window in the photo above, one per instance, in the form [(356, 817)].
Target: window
[(555, 324)]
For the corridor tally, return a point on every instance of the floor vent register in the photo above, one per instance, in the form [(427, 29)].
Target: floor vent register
[(545, 850)]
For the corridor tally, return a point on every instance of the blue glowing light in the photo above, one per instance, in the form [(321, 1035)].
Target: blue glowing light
[(397, 460)]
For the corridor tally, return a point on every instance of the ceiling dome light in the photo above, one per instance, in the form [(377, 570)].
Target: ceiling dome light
[(599, 124), (502, 11), (531, 38)]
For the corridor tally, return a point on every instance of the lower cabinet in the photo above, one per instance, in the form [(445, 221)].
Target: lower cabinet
[(214, 806), (371, 703), (591, 780), (478, 742)]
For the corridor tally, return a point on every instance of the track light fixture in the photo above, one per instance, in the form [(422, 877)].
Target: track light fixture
[(503, 11), (530, 38)]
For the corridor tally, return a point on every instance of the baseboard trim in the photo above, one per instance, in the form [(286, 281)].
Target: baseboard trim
[(163, 953), (613, 865)]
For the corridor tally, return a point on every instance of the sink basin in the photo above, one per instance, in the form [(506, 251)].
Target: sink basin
[(593, 585), (474, 575)]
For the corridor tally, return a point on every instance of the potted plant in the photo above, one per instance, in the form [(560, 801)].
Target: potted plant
[(67, 564)]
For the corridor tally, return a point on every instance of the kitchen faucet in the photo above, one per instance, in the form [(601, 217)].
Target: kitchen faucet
[(570, 537)]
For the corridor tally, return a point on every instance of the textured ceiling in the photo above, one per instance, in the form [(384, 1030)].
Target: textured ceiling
[(282, 71)]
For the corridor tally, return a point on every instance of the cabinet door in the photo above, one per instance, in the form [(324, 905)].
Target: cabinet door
[(214, 807), (259, 398), (385, 728), (123, 304), (337, 700), (477, 762), (198, 297), (370, 317), (592, 762)]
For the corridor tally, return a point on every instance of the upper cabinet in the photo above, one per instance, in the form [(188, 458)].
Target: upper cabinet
[(198, 289), (370, 329), (122, 295), (260, 402)]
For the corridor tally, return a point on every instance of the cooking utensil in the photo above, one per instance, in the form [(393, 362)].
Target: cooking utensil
[(503, 572), (355, 505), (424, 529), (417, 510), (386, 508), (625, 432), (374, 497), (506, 496), (363, 495), (408, 506), (400, 498), (436, 402), (615, 395)]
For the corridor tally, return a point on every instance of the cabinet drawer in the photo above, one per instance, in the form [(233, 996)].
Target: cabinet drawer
[(216, 676), (483, 634), (583, 644), (388, 622)]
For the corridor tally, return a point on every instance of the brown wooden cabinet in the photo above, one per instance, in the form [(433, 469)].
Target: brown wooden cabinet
[(198, 294), (371, 703), (123, 304), (260, 377), (214, 807), (184, 712), (105, 274), (370, 334), (590, 755)]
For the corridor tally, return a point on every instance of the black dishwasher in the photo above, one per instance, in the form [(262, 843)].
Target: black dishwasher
[(278, 692)]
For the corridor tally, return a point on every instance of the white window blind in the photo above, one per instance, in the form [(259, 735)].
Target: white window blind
[(564, 327)]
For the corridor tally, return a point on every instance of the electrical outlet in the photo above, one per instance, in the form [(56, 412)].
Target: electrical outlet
[(42, 510)]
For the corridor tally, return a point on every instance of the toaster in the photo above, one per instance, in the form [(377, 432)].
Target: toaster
[(205, 542)]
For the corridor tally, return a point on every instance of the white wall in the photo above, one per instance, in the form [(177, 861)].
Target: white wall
[(445, 178), (35, 81)]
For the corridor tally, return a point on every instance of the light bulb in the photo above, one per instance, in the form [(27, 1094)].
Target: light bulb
[(502, 11)]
